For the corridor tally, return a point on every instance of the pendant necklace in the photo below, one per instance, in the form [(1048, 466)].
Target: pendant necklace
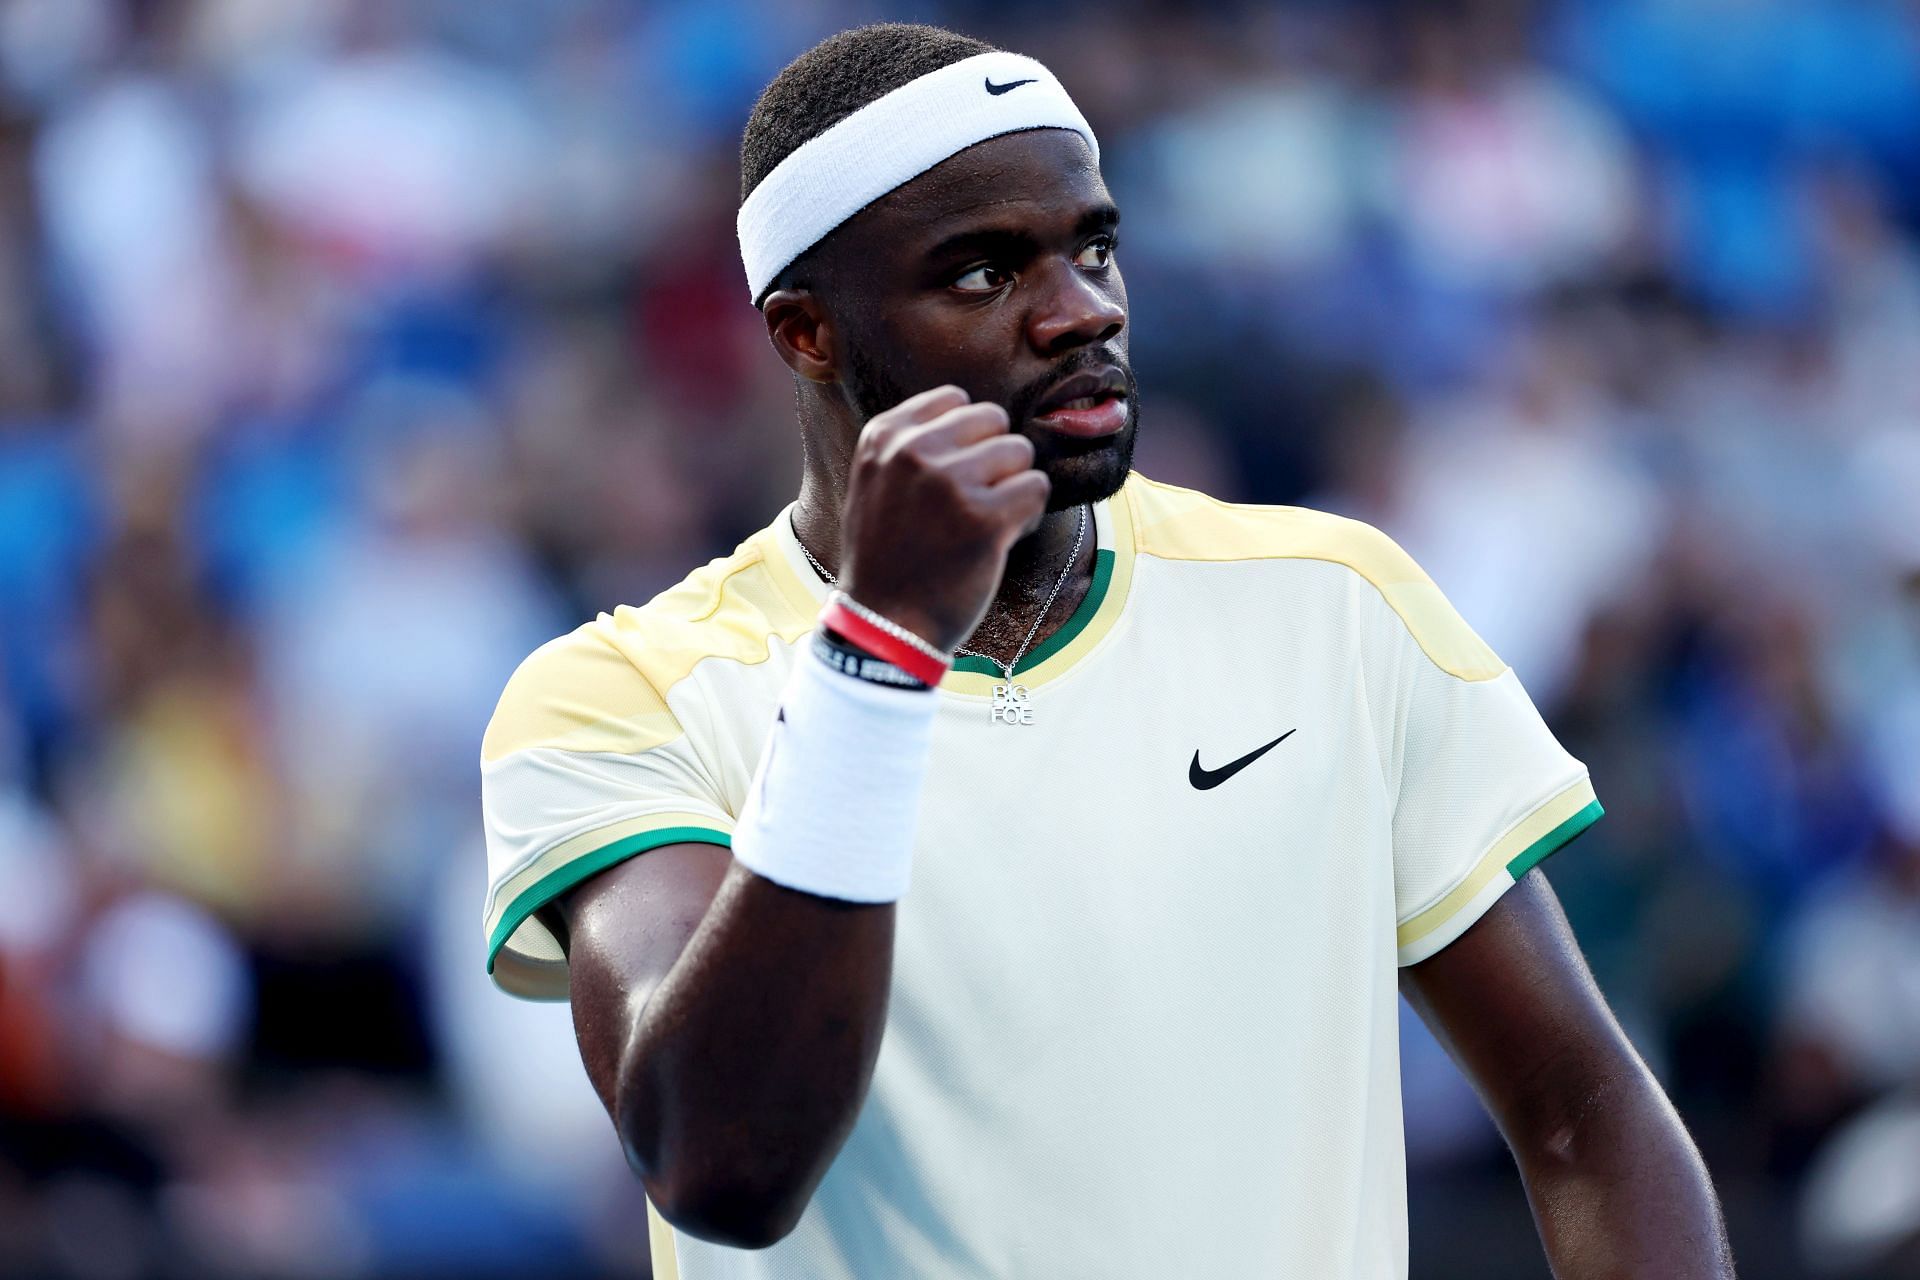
[(1012, 704)]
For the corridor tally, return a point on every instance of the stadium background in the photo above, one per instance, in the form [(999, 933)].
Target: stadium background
[(349, 350)]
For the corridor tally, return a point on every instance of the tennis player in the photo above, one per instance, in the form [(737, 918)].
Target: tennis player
[(1003, 865)]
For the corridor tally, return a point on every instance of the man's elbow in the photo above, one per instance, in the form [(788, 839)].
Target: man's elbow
[(741, 1213), (1587, 1115), (723, 1183)]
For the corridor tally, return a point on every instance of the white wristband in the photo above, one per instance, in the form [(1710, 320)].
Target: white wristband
[(835, 801)]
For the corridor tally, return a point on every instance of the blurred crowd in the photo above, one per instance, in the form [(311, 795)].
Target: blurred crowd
[(351, 348)]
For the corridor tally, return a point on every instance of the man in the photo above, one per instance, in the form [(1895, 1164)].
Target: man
[(1197, 784)]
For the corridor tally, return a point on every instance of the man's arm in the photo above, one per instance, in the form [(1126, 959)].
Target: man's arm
[(1616, 1185), (730, 1026), (731, 1023)]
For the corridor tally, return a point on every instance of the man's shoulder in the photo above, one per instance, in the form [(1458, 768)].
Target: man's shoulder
[(1171, 523), (604, 686), (733, 608), (1184, 524)]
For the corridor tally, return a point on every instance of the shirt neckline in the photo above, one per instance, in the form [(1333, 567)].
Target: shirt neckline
[(1048, 660)]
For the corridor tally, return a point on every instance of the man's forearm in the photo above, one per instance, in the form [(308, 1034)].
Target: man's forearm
[(750, 1061), (1619, 1190), (730, 1026), (748, 1064)]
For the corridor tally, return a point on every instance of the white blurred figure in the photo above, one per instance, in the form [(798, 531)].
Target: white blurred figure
[(1860, 1204), (1500, 174), (125, 176), (383, 655), (39, 886), (1851, 1028), (168, 1000), (1260, 174), (399, 158), (1853, 976), (517, 1077), (1525, 507), (1877, 667), (1514, 187)]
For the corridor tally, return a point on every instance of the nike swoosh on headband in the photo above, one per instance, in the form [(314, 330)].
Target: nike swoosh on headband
[(889, 142)]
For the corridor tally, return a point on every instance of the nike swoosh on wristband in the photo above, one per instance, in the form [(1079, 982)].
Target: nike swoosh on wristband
[(1004, 88), (1208, 779)]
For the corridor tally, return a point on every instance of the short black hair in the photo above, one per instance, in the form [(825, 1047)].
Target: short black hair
[(825, 85), (834, 79)]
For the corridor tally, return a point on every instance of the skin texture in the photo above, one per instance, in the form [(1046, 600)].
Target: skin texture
[(1616, 1185), (731, 1025), (873, 315)]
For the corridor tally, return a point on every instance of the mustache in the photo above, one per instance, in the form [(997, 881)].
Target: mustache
[(1021, 404)]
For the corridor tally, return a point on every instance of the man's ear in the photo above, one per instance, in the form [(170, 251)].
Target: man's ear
[(802, 332)]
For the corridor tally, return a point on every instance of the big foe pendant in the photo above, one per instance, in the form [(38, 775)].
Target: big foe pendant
[(1011, 704)]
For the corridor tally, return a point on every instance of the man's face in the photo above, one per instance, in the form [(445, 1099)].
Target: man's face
[(994, 271)]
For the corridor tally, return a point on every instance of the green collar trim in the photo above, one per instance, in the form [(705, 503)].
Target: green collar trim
[(1102, 576)]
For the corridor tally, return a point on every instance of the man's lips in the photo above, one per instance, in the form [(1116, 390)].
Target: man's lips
[(1104, 416), (1093, 403), (1088, 384)]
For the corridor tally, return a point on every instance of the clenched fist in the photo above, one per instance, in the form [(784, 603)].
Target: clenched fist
[(939, 491)]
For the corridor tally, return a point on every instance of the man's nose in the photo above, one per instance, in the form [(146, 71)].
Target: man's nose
[(1074, 310)]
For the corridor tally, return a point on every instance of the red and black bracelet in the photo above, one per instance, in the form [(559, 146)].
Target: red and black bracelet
[(849, 659), (885, 639)]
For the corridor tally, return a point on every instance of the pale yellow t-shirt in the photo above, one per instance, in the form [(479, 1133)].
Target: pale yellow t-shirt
[(1143, 1019)]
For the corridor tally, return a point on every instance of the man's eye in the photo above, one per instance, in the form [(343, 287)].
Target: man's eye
[(981, 280), (1097, 254)]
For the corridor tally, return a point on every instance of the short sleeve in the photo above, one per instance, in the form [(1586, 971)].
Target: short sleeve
[(1484, 790), (584, 765)]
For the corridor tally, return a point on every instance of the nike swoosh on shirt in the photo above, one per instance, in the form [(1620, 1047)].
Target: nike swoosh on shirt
[(1208, 779), (1008, 87)]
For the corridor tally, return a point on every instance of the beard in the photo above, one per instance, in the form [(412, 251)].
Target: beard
[(1081, 470)]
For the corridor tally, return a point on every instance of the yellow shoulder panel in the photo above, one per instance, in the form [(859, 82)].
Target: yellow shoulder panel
[(604, 686), (578, 693), (1179, 524)]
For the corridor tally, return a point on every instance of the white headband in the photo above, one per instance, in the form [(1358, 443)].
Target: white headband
[(890, 141)]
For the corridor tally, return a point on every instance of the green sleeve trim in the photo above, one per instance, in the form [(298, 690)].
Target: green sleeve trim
[(561, 879), (1536, 853)]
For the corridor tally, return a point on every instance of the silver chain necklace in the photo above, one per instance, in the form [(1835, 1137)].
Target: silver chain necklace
[(1012, 704)]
